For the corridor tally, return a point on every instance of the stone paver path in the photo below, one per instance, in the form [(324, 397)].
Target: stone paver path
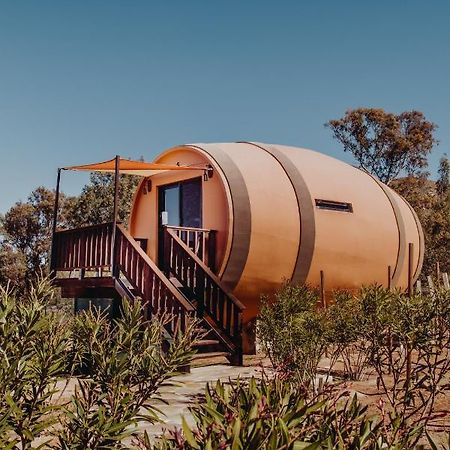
[(180, 396)]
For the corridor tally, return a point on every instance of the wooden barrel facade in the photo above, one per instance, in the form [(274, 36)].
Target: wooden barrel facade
[(284, 213)]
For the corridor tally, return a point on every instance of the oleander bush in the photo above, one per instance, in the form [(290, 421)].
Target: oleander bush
[(409, 350), (404, 341), (346, 335), (272, 414), (125, 365), (292, 332), (118, 368), (33, 345)]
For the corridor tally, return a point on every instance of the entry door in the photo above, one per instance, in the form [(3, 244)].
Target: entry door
[(180, 205)]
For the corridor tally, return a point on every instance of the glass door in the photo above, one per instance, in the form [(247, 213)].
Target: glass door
[(170, 205), (180, 205)]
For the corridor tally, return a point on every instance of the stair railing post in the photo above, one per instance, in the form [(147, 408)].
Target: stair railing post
[(238, 337), (200, 280), (211, 250), (167, 251), (114, 268)]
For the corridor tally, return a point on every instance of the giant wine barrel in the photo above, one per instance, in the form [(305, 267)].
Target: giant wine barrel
[(284, 213)]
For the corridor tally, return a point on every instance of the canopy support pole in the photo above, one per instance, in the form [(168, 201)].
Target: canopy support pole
[(55, 222), (115, 214)]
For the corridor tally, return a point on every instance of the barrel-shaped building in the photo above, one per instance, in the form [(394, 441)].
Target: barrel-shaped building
[(281, 214)]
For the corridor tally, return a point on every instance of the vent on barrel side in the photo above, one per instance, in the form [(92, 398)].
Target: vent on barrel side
[(334, 206)]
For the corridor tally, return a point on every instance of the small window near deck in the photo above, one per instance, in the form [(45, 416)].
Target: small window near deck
[(334, 206)]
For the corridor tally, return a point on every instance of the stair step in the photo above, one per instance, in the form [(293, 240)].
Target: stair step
[(204, 342), (210, 355)]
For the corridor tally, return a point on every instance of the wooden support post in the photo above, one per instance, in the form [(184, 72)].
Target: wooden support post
[(446, 281), (167, 253), (430, 284), (419, 286), (410, 268), (115, 214), (54, 225), (239, 357), (322, 289), (211, 250), (389, 286), (410, 293)]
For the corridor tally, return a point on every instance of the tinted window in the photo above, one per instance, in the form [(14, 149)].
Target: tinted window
[(191, 203)]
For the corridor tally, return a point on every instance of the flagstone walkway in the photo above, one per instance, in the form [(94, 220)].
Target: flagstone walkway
[(182, 395)]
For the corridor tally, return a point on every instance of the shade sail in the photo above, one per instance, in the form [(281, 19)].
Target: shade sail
[(130, 167)]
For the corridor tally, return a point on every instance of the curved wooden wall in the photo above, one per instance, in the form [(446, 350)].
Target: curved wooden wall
[(261, 200)]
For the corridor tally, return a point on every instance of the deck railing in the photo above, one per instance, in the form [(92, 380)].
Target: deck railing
[(85, 248), (91, 248), (149, 282), (213, 300), (201, 241)]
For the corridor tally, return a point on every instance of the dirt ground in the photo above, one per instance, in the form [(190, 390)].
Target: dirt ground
[(369, 394)]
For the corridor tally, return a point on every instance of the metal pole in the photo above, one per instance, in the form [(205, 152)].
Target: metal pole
[(116, 188), (55, 221), (115, 214)]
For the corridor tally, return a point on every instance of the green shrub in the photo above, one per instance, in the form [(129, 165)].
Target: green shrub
[(346, 334), (292, 332), (33, 347), (275, 415), (405, 341), (125, 365), (409, 348), (121, 366)]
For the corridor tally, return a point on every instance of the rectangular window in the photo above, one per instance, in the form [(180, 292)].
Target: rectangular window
[(334, 206)]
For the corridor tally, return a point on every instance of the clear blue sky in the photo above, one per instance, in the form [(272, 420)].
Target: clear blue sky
[(81, 81)]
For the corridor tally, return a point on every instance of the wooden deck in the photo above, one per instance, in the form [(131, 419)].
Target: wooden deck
[(104, 261)]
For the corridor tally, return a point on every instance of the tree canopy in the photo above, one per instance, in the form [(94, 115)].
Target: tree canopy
[(431, 201), (395, 148), (95, 203), (386, 144), (26, 228)]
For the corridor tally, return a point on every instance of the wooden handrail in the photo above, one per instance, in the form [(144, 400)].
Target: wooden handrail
[(204, 230), (84, 228), (82, 248), (201, 241), (89, 248), (213, 300), (210, 274), (158, 294), (155, 269)]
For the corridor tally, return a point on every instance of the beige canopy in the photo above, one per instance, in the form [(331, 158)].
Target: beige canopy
[(130, 167)]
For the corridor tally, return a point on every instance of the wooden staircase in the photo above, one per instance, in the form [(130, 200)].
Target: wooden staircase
[(104, 260)]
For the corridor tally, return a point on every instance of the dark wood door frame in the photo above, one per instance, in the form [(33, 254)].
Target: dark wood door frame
[(161, 206)]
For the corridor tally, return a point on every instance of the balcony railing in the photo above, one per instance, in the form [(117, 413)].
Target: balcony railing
[(90, 249), (86, 248), (201, 241), (213, 300)]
